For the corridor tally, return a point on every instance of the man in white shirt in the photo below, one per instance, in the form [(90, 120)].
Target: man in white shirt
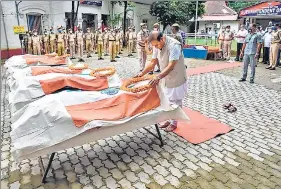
[(266, 45), (240, 38)]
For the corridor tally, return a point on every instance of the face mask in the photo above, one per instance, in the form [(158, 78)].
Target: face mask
[(223, 30), (35, 33), (70, 32), (88, 31), (227, 30), (250, 30), (242, 29), (269, 30)]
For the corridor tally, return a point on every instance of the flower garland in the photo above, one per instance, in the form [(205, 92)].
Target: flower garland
[(72, 67), (97, 72), (126, 84)]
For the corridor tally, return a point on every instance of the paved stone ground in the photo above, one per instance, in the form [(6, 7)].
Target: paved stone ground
[(248, 157)]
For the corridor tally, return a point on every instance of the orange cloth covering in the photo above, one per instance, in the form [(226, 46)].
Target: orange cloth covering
[(51, 85), (44, 70), (112, 109), (47, 60)]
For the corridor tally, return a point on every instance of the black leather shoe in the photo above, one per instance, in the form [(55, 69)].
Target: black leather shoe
[(268, 67), (271, 68), (242, 80), (251, 81)]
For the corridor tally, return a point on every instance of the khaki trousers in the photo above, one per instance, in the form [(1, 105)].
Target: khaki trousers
[(29, 48), (227, 49), (142, 58), (117, 48), (52, 46), (100, 47), (134, 46), (88, 47), (36, 49), (105, 47), (47, 48), (120, 45), (60, 48), (112, 50), (72, 48), (130, 46), (273, 54), (80, 50)]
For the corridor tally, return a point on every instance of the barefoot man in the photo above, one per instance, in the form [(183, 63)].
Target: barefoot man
[(173, 71)]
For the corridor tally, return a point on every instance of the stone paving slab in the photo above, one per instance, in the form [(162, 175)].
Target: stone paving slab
[(248, 157)]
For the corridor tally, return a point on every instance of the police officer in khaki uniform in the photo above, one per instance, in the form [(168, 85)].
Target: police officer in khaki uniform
[(228, 37), (117, 43), (80, 41), (52, 40), (105, 42), (36, 42), (99, 42), (71, 42), (221, 41), (46, 41), (274, 47), (121, 36), (89, 42), (29, 43), (60, 42), (130, 42), (66, 45), (141, 40), (112, 43), (134, 40)]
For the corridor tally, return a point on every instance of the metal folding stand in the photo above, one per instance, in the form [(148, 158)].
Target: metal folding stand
[(158, 136), (45, 171)]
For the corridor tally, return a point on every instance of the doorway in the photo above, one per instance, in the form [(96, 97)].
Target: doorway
[(89, 21), (34, 22)]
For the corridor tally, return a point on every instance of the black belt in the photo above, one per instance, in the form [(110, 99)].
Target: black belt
[(111, 40)]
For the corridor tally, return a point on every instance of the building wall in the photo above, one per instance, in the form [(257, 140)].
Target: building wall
[(53, 15), (234, 25)]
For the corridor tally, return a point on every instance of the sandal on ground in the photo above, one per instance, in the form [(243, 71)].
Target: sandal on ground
[(166, 124), (170, 128), (232, 109), (226, 106)]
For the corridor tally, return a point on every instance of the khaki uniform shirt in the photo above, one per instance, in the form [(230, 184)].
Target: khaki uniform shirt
[(131, 36), (134, 35), (141, 36), (221, 36), (29, 40), (105, 37), (71, 38), (100, 38), (46, 39), (36, 39), (228, 36), (60, 37), (89, 36), (52, 37), (275, 37), (111, 36), (79, 37)]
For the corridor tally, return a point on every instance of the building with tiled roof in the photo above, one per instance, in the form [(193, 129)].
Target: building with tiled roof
[(217, 13)]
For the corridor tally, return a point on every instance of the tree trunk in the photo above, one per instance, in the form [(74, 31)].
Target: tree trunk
[(75, 17), (72, 16), (164, 26), (124, 21)]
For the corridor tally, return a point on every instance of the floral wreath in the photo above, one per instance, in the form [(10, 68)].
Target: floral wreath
[(97, 72), (126, 84), (72, 67)]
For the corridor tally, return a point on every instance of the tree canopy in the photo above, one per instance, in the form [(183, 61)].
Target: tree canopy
[(238, 5), (169, 12)]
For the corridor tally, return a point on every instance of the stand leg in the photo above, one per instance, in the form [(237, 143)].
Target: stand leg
[(45, 171), (159, 135)]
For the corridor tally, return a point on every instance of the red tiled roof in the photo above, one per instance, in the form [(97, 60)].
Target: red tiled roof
[(218, 8)]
